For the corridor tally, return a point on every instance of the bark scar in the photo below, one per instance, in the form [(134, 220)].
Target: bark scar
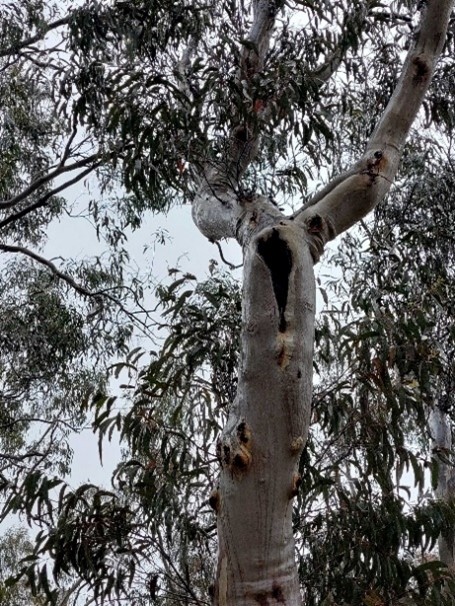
[(277, 593), (277, 255), (214, 500), (422, 69), (296, 482)]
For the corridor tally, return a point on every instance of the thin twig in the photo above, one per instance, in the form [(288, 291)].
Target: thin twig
[(220, 250)]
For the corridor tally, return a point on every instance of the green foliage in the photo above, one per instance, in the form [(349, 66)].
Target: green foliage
[(384, 354), (61, 321), (361, 540), (140, 94), (15, 545), (157, 522)]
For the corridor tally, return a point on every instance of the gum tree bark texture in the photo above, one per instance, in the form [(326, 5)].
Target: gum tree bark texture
[(441, 430), (268, 421)]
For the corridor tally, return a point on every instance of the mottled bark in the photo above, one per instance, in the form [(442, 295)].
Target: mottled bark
[(268, 421)]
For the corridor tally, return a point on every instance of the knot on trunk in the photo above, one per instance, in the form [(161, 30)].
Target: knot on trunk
[(297, 445), (234, 451), (241, 460), (214, 500), (422, 69), (274, 596), (295, 485)]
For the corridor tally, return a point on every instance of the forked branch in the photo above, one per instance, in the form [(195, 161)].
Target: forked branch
[(350, 196), (217, 210), (354, 19), (243, 141)]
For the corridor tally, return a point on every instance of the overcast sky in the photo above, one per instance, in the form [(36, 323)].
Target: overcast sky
[(184, 247)]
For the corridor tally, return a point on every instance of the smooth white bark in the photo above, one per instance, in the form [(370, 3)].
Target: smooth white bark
[(268, 423), (352, 195), (269, 419)]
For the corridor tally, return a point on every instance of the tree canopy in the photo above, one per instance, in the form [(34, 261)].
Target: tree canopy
[(133, 100)]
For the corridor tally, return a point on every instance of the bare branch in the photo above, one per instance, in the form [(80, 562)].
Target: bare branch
[(67, 150), (8, 248), (16, 48), (61, 168), (352, 195), (228, 263)]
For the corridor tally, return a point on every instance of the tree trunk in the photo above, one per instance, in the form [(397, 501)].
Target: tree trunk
[(268, 423), (445, 489)]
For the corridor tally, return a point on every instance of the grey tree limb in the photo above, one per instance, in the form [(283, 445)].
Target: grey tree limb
[(44, 199), (16, 48), (59, 170), (352, 195), (217, 209)]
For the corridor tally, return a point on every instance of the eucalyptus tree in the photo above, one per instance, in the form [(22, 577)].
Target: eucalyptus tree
[(384, 354), (268, 421), (55, 314), (231, 106), (15, 545), (402, 298), (264, 70)]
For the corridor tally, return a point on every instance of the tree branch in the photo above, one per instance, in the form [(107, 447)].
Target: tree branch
[(42, 201), (217, 209), (333, 62), (54, 269), (61, 168), (8, 248), (16, 48), (228, 263), (243, 141), (352, 195)]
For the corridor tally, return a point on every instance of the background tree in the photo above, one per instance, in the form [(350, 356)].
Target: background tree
[(15, 545), (61, 320)]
